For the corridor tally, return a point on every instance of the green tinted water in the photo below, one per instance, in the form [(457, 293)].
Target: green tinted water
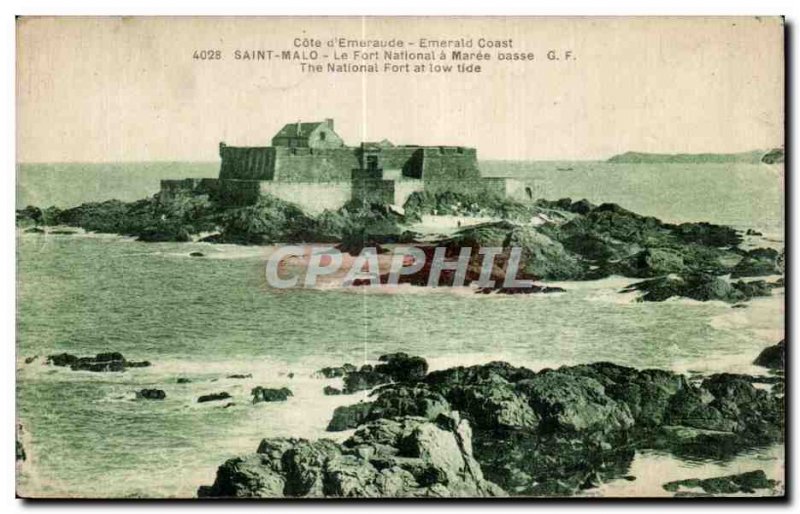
[(208, 318)]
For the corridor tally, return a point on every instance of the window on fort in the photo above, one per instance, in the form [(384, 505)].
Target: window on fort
[(372, 162), (322, 136)]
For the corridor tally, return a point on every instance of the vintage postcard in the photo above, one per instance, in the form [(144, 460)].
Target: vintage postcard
[(400, 257)]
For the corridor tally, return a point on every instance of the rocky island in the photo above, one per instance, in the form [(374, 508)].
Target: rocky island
[(561, 240)]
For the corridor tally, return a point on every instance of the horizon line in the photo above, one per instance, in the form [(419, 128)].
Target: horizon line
[(564, 159)]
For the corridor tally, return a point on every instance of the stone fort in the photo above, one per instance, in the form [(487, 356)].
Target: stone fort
[(310, 165)]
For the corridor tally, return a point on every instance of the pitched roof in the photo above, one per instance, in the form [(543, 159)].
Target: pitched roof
[(290, 129), (385, 143)]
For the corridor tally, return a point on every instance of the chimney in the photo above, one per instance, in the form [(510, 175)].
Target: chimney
[(298, 127), (329, 123)]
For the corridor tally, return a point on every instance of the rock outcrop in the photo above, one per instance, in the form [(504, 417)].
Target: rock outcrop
[(20, 449), (747, 482), (393, 367), (552, 432), (335, 371), (774, 156), (393, 401), (559, 240), (586, 421), (698, 286), (214, 397), (350, 416), (772, 357), (387, 458), (758, 262), (265, 394), (151, 394), (109, 361)]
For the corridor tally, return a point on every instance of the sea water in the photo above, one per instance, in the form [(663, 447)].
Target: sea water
[(208, 318)]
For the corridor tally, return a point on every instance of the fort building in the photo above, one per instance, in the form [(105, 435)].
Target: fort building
[(310, 165)]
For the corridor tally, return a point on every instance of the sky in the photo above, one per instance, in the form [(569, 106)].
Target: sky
[(129, 89)]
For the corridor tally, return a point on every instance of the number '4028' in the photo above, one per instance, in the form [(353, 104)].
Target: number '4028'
[(207, 55)]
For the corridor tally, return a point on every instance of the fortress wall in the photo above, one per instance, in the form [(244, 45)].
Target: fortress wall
[(247, 163), (392, 174), (514, 188), (195, 186), (237, 192), (312, 197), (402, 158), (314, 165), (404, 188), (374, 190), (449, 163), (482, 186)]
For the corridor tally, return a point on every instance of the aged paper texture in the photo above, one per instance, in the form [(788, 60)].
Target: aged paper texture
[(392, 257)]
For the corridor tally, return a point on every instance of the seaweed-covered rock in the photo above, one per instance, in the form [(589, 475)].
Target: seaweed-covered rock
[(164, 231), (694, 407), (331, 391), (486, 394), (335, 371), (213, 397), (265, 394), (614, 230), (408, 400), (402, 367), (758, 262), (494, 404), (364, 379), (107, 361), (647, 393), (651, 262), (346, 417), (534, 289), (772, 357), (393, 367), (151, 394), (697, 286), (461, 375), (707, 234), (574, 404), (742, 483), (530, 463), (753, 288), (758, 415)]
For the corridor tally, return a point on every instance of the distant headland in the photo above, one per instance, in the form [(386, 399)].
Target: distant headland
[(773, 156)]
